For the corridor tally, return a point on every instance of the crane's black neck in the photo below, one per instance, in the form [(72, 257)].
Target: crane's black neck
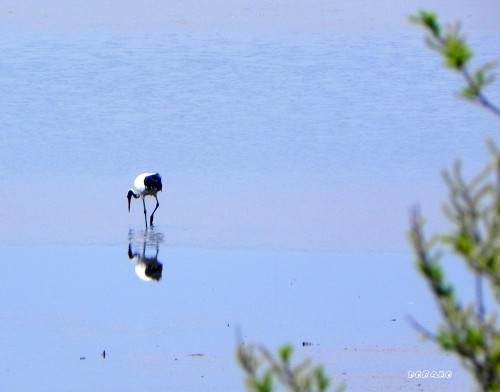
[(131, 194)]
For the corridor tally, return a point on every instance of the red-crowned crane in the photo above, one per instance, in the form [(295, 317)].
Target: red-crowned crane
[(146, 184)]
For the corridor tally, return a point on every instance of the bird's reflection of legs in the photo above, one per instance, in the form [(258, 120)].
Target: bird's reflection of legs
[(146, 267)]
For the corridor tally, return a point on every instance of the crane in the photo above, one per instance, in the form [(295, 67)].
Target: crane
[(146, 184)]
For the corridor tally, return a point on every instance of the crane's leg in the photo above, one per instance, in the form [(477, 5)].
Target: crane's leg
[(145, 213), (152, 215)]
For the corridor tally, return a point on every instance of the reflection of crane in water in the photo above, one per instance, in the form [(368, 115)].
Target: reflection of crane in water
[(147, 266)]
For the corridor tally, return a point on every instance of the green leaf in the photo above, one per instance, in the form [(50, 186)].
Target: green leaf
[(456, 52), (285, 353), (464, 244), (445, 291), (432, 271), (470, 92), (474, 337), (428, 20), (265, 384), (447, 340), (322, 381)]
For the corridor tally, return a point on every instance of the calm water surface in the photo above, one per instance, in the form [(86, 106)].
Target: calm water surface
[(289, 164)]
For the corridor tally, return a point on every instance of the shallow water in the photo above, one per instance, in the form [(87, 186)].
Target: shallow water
[(289, 164), (63, 305)]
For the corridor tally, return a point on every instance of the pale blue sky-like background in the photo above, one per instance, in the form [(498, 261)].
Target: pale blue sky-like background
[(248, 15)]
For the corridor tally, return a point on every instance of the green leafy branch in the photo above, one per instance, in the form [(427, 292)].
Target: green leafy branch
[(457, 55), (474, 209), (265, 371)]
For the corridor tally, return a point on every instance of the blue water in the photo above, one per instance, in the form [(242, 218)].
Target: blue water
[(289, 165)]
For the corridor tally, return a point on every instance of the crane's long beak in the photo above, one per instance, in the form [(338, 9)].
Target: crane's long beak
[(129, 197)]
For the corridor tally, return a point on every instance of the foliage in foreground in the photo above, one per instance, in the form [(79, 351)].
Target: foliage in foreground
[(457, 55), (469, 331), (264, 372)]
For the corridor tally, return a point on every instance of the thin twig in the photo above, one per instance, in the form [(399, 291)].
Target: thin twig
[(479, 97), (420, 328)]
